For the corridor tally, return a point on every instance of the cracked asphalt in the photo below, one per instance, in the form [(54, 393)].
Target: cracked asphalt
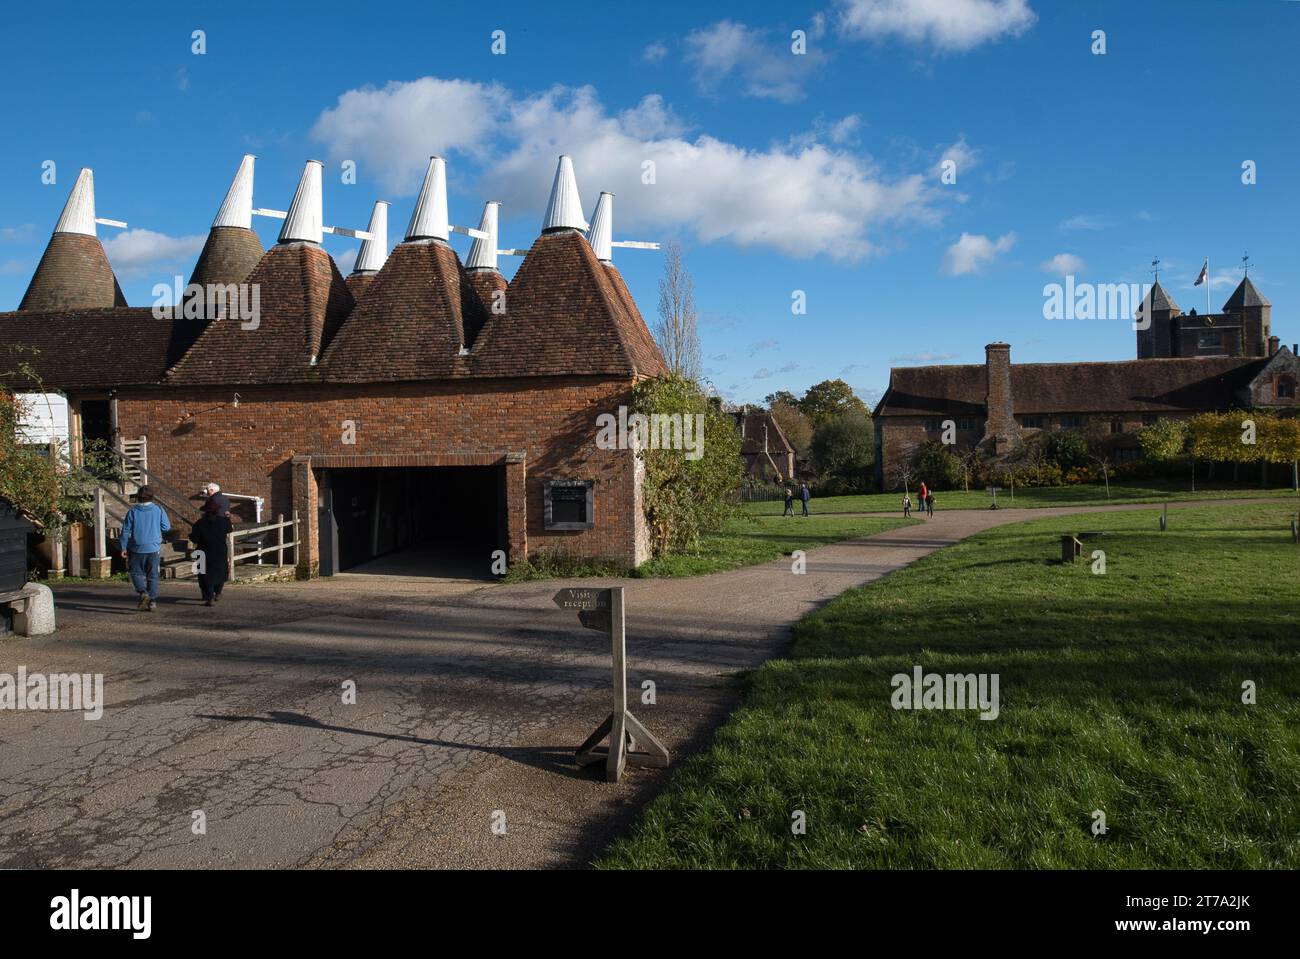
[(470, 698)]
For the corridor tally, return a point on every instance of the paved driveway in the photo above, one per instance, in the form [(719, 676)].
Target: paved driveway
[(470, 699)]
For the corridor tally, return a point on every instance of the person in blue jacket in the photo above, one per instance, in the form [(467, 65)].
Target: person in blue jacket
[(141, 544)]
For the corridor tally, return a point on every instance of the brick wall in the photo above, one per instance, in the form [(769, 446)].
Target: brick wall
[(198, 434)]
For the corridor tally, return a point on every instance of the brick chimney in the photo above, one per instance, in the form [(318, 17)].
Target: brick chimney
[(1274, 344), (1000, 429)]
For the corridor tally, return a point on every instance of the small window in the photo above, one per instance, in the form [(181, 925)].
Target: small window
[(933, 425), (1071, 422), (1128, 454), (1032, 422), (568, 504), (1149, 419), (1209, 340), (1117, 426), (968, 425), (1285, 388)]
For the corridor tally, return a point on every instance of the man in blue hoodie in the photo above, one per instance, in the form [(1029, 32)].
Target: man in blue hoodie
[(142, 538)]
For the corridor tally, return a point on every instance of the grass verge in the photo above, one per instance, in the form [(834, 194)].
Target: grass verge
[(1029, 497), (1120, 692)]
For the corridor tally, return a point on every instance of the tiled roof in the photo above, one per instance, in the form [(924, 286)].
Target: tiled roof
[(90, 349), (230, 254), (411, 324), (566, 313), (74, 274), (1158, 385), (1246, 294), (486, 284), (303, 301)]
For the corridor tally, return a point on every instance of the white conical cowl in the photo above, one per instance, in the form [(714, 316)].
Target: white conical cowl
[(304, 220), (374, 252), (483, 254), (237, 207), (79, 212), (600, 234), (429, 219), (564, 211)]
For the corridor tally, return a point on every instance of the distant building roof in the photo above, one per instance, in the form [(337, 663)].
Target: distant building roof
[(1156, 385), (1246, 294), (751, 424)]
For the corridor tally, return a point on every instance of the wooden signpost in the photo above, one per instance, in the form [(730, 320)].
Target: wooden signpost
[(602, 609)]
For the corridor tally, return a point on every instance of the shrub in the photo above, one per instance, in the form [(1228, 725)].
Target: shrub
[(683, 497)]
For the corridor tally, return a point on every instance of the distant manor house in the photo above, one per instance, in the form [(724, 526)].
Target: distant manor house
[(420, 399), (1187, 364)]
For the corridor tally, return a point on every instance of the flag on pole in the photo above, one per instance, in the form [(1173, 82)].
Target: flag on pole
[(1205, 273)]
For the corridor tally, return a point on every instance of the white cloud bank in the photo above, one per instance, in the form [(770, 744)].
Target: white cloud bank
[(809, 196)]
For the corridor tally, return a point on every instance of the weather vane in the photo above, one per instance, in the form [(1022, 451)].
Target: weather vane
[(1155, 268), (1245, 264)]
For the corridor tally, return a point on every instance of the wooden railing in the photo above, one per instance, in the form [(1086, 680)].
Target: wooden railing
[(137, 459), (257, 552)]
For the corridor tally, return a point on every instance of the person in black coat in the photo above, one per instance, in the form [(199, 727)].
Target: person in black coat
[(209, 535)]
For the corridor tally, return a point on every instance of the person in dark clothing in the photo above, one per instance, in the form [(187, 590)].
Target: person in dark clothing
[(805, 496), (789, 502), (217, 501), (929, 502), (209, 535)]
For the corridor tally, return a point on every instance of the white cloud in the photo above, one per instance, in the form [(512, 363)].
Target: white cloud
[(963, 156), (803, 198), (138, 252), (974, 251), (768, 69), (1063, 263), (952, 26), (394, 130), (654, 52)]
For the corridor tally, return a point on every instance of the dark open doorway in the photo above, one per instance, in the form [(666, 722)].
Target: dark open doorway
[(442, 521)]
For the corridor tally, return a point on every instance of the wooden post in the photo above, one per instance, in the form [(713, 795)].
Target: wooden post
[(279, 540), (1164, 518), (297, 540), (624, 730), (230, 555)]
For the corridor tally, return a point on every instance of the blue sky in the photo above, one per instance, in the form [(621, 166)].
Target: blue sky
[(777, 172)]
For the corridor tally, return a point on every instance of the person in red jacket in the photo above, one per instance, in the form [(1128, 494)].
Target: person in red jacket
[(921, 495)]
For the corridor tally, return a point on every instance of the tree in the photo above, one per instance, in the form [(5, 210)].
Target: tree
[(938, 466), (829, 399), (676, 330), (845, 446), (782, 396), (1070, 449), (1164, 440), (796, 427)]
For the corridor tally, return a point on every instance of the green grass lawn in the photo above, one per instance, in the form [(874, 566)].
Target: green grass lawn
[(745, 541), (1119, 692), (1028, 497)]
